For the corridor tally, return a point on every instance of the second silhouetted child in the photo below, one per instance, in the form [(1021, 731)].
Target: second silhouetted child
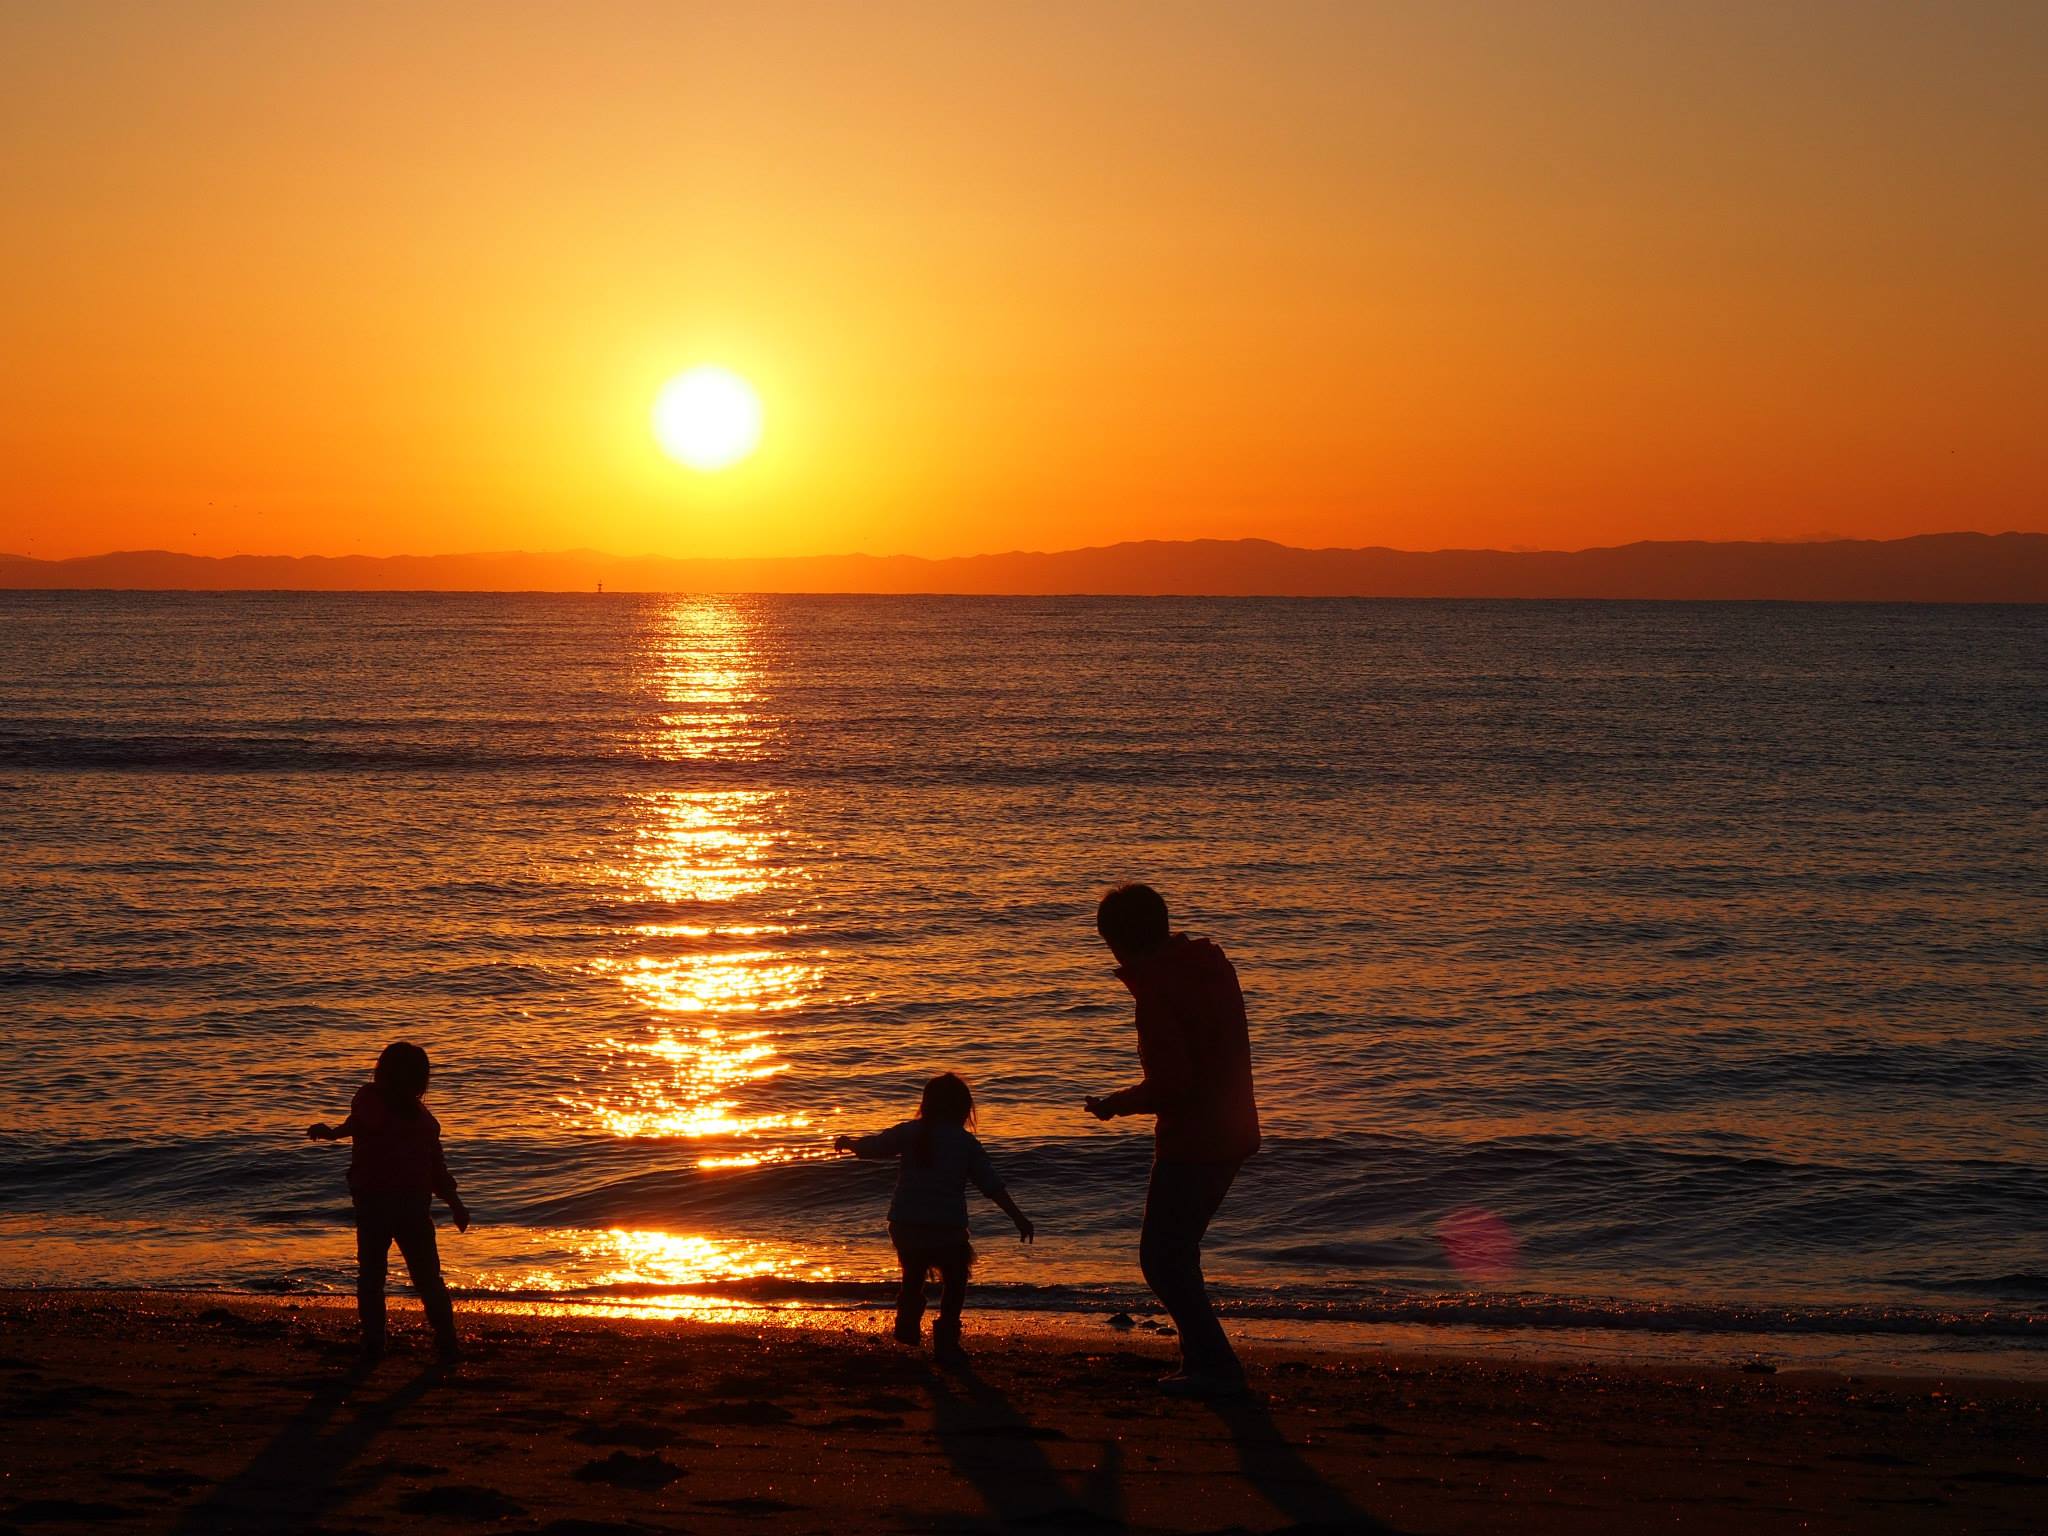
[(937, 1157)]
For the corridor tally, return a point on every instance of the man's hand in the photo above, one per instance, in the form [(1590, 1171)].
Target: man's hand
[(461, 1214), (319, 1130), (842, 1143), (1025, 1230), (1098, 1108)]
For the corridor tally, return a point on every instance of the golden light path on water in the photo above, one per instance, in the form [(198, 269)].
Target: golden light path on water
[(706, 982), (667, 1274)]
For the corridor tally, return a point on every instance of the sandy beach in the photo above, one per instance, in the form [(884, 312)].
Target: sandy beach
[(193, 1414)]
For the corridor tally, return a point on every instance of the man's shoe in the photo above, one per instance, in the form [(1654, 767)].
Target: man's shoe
[(910, 1334), (1203, 1385)]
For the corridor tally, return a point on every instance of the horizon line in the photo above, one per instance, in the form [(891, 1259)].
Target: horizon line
[(586, 552), (1928, 567)]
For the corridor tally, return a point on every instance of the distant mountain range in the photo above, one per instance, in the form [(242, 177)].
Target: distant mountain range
[(1937, 567)]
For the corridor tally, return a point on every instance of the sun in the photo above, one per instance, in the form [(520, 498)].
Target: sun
[(708, 418)]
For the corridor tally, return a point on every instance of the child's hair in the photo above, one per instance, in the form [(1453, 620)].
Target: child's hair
[(949, 1101), (402, 1074)]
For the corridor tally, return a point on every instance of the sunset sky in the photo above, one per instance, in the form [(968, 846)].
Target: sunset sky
[(284, 278)]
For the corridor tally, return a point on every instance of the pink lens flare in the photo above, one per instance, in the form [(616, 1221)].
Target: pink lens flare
[(1479, 1245)]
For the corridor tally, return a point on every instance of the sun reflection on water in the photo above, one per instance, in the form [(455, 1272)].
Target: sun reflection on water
[(748, 981), (700, 663), (642, 1257), (653, 1273), (694, 1098), (705, 975), (707, 846)]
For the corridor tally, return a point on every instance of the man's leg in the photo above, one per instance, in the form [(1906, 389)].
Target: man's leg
[(1179, 1205), (373, 1248), (414, 1230)]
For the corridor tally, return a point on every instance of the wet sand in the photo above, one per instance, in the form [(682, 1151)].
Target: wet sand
[(200, 1414)]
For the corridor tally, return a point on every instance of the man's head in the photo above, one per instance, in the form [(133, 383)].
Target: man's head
[(1132, 921)]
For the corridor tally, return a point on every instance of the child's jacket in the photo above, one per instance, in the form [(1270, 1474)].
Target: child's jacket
[(395, 1152), (933, 1194)]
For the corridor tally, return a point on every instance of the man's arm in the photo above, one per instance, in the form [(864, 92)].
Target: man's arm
[(1138, 1099), (1169, 1074)]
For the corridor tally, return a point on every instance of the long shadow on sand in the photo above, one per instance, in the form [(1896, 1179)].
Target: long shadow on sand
[(1284, 1478), (1001, 1453), (298, 1472)]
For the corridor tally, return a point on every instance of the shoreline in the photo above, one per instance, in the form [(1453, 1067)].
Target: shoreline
[(210, 1411), (1994, 1354)]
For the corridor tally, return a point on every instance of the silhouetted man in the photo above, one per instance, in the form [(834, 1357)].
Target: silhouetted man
[(1197, 1058)]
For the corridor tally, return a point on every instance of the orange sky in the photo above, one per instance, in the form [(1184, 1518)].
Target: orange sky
[(379, 279)]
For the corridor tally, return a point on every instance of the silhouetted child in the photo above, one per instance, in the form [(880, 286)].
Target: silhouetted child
[(937, 1157), (394, 1171)]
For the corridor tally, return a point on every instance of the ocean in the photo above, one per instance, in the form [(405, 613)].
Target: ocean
[(1647, 968)]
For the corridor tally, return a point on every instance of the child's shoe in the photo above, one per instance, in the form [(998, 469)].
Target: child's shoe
[(946, 1344), (908, 1332)]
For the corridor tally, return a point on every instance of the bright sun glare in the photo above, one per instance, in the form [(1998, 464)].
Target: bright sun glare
[(708, 418)]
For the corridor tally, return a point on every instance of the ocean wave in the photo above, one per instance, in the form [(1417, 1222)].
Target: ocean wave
[(971, 766), (1352, 1206), (78, 978), (2015, 1285), (249, 754)]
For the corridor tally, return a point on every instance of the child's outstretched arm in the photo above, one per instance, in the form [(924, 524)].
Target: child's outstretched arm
[(881, 1145), (320, 1130)]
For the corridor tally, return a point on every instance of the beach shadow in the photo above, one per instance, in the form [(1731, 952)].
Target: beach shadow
[(1284, 1479), (1000, 1452), (298, 1472)]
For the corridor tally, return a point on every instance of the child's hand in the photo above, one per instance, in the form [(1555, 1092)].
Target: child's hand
[(318, 1131), (842, 1143), (461, 1214), (1098, 1109), (1025, 1231)]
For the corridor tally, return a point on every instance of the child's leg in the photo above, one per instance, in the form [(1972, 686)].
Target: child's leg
[(373, 1247), (953, 1266), (910, 1296), (954, 1263), (414, 1230)]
